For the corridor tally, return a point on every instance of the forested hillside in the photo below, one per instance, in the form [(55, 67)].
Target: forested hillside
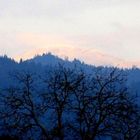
[(48, 98)]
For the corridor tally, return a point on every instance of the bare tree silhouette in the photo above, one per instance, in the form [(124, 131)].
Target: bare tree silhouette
[(21, 114), (101, 103), (70, 105)]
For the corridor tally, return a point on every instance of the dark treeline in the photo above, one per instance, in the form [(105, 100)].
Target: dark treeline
[(69, 104)]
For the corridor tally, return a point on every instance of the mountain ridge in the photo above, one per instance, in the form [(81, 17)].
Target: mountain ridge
[(39, 63)]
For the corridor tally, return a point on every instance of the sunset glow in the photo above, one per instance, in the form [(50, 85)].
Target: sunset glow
[(96, 32)]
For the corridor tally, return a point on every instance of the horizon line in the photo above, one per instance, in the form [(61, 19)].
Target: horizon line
[(68, 59)]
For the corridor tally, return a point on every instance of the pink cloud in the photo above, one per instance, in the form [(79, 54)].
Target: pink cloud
[(65, 47)]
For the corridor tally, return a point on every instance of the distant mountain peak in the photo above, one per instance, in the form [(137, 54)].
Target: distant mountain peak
[(46, 59)]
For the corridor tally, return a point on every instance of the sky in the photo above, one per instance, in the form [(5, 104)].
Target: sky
[(100, 32)]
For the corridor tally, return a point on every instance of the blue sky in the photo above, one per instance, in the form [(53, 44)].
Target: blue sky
[(95, 31)]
